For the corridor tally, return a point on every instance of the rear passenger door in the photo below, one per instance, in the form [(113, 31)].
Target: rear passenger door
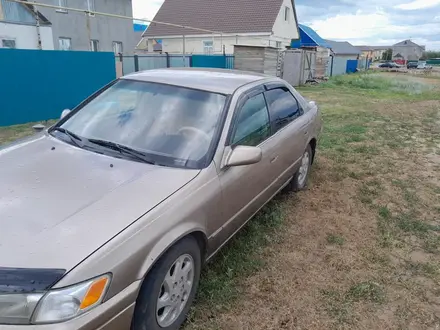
[(289, 125)]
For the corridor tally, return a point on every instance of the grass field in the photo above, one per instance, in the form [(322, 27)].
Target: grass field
[(360, 249)]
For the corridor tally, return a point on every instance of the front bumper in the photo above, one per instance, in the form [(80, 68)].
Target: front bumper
[(114, 314)]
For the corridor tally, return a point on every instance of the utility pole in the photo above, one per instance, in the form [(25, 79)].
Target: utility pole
[(89, 34), (37, 17)]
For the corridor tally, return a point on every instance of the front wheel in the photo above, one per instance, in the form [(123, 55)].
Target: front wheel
[(299, 180), (169, 289)]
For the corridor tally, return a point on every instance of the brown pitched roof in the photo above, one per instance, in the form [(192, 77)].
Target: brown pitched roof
[(228, 16)]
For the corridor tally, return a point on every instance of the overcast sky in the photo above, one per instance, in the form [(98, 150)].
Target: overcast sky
[(361, 22)]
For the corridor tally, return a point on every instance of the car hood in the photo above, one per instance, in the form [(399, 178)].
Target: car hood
[(59, 203)]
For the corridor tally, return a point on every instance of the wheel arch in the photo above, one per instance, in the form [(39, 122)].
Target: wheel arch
[(170, 239)]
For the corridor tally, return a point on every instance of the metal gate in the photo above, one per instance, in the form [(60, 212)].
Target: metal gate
[(309, 61), (213, 61), (351, 66), (298, 66)]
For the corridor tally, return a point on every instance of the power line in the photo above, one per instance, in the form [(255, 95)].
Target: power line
[(85, 11), (38, 4)]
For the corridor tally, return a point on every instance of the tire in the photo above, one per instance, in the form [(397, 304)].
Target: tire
[(155, 288), (299, 179)]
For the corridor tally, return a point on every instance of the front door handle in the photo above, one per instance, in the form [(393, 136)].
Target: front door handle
[(274, 159)]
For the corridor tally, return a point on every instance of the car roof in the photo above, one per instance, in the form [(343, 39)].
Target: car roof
[(221, 81)]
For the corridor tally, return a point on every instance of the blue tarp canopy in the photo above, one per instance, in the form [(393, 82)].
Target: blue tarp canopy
[(308, 38)]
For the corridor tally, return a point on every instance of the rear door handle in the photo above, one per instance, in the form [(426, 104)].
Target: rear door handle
[(274, 159)]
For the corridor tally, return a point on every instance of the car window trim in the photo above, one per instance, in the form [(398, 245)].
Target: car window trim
[(301, 110), (241, 99), (245, 97), (274, 85)]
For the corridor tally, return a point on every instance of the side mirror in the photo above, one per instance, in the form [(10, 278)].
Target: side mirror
[(65, 113), (38, 128), (244, 155)]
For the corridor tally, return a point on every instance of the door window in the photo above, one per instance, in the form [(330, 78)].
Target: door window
[(252, 126), (94, 45), (283, 107)]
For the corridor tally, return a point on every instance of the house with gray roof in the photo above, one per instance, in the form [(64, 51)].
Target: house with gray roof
[(407, 50), (221, 24), (343, 57)]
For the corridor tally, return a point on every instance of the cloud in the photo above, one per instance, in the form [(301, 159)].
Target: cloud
[(373, 22), (418, 4), (146, 8)]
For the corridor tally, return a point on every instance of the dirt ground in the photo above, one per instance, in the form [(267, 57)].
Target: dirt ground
[(360, 249)]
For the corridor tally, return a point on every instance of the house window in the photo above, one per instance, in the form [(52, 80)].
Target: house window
[(65, 43), (8, 43), (117, 47), (94, 45), (61, 3), (286, 13), (208, 47), (278, 44), (91, 7)]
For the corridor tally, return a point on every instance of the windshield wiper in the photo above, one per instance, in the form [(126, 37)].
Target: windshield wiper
[(139, 155), (72, 136)]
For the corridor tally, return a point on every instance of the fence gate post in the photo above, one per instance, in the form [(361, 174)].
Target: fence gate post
[(136, 63), (331, 68), (168, 59)]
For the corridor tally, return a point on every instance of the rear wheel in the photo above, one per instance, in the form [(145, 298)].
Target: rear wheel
[(169, 289), (299, 180)]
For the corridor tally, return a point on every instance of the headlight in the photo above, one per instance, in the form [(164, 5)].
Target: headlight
[(64, 304), (17, 308), (55, 305)]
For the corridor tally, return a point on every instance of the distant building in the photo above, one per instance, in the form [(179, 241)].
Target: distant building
[(343, 54), (374, 53), (243, 22), (366, 51), (18, 27), (408, 50), (378, 52), (80, 31)]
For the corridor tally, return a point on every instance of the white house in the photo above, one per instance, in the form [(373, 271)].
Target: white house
[(18, 27), (243, 22)]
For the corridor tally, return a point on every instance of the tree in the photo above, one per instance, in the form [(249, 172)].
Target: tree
[(430, 54), (387, 55)]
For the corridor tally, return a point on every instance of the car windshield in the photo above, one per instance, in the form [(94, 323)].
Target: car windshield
[(173, 126)]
